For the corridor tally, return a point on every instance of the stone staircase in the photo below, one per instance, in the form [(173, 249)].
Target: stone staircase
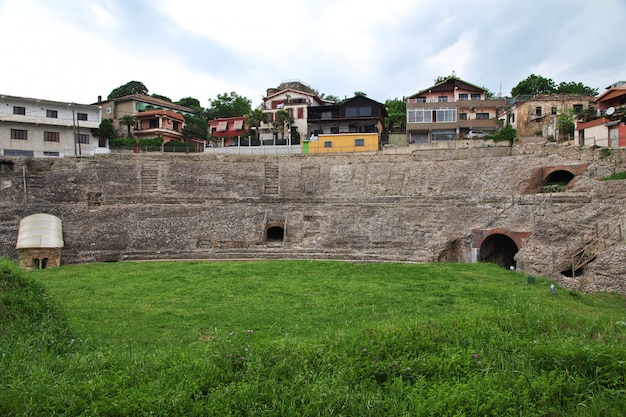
[(149, 179), (593, 243), (270, 186)]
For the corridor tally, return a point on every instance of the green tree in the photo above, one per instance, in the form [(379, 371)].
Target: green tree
[(565, 124), (359, 93), (254, 119), (189, 102), (228, 105), (195, 128), (106, 130), (129, 121), (576, 88), (282, 120), (534, 85), (396, 114), (331, 98), (131, 87), (160, 97)]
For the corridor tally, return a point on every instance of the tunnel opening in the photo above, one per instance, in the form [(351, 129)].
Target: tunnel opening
[(275, 234), (499, 249), (557, 181)]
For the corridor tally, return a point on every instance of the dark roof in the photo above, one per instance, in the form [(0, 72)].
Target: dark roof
[(449, 84)]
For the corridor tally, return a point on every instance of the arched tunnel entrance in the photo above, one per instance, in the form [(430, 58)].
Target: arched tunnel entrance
[(498, 249), (558, 179), (275, 232)]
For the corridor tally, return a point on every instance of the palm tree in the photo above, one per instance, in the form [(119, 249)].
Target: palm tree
[(129, 121), (282, 118), (254, 119)]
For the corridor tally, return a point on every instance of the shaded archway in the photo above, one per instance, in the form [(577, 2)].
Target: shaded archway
[(275, 232), (560, 177), (498, 249)]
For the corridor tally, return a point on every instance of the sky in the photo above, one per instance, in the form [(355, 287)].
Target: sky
[(77, 50)]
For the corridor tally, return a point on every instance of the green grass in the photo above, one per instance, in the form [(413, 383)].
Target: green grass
[(311, 338), (615, 176)]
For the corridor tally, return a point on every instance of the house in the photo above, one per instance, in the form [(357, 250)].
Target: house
[(295, 98), (355, 125), (539, 115), (610, 129), (448, 110), (44, 128), (165, 124), (134, 104), (228, 130)]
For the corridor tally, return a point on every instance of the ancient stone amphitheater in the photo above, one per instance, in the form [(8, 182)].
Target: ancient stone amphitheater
[(462, 206)]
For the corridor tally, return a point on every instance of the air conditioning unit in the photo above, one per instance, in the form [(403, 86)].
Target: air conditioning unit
[(108, 110)]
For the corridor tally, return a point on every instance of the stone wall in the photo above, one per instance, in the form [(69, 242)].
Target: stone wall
[(365, 207)]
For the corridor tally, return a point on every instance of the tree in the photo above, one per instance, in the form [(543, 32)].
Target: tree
[(189, 102), (131, 87), (160, 97), (565, 123), (576, 88), (281, 119), (228, 105), (195, 127), (254, 119), (331, 98), (106, 129), (359, 93), (396, 114), (534, 85), (129, 121)]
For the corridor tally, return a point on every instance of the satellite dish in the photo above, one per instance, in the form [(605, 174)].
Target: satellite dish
[(610, 111)]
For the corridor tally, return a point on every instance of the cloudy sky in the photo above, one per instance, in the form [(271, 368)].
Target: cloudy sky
[(76, 50)]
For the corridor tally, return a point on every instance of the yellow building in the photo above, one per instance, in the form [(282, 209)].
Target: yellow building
[(342, 142)]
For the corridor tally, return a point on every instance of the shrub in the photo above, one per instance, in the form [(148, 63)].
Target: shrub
[(506, 133)]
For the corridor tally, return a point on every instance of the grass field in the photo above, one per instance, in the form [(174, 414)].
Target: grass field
[(306, 338)]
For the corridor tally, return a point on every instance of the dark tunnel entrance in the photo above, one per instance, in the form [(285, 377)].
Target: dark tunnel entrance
[(559, 178), (275, 234), (498, 249)]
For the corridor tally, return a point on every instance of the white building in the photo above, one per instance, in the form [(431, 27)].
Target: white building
[(43, 128)]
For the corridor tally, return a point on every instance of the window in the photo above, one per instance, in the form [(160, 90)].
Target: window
[(475, 96), (578, 108), (334, 129), (512, 117), (442, 99), (328, 143), (362, 111), (538, 111), (420, 100), (463, 96), (445, 115), (482, 116), (19, 134), (81, 138), (462, 116), (419, 116), (19, 110), (154, 123), (51, 136), (81, 116), (176, 126), (327, 115), (53, 114), (47, 153), (300, 113), (359, 142), (18, 152), (554, 110), (442, 135)]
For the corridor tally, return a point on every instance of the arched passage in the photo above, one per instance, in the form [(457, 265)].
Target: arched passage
[(560, 177), (498, 249), (275, 232)]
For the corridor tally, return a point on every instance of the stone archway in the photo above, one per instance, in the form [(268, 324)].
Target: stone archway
[(498, 246), (275, 232), (498, 249)]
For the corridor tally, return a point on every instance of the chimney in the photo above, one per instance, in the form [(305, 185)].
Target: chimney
[(99, 99)]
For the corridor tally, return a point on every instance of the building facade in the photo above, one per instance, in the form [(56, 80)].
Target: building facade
[(610, 129), (228, 131), (355, 125), (539, 115), (44, 128), (295, 98), (449, 110)]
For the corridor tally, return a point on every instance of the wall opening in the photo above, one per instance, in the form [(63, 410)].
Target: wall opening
[(498, 249), (557, 181), (275, 234)]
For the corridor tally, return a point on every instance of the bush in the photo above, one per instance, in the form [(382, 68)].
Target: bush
[(506, 133)]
